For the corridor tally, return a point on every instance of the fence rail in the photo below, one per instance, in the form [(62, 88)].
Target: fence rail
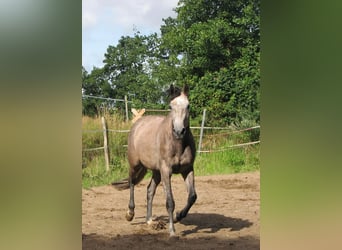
[(227, 148), (113, 100), (220, 134), (92, 149), (105, 98), (226, 128)]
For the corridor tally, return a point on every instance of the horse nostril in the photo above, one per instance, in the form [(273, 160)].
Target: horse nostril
[(179, 133)]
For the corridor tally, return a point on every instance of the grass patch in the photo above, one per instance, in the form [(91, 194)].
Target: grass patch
[(234, 160), (97, 175)]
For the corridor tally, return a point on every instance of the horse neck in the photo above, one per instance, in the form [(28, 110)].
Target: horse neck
[(178, 143), (168, 124)]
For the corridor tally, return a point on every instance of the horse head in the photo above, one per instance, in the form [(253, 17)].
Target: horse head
[(179, 111)]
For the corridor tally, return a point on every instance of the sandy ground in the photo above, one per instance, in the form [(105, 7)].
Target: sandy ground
[(225, 216)]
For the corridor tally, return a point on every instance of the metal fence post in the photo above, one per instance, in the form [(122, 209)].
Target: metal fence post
[(201, 133), (105, 142), (126, 108)]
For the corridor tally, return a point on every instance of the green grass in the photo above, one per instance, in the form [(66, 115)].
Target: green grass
[(231, 160), (97, 175)]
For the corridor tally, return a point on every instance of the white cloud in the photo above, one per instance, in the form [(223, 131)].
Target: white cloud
[(88, 19), (105, 21), (142, 13)]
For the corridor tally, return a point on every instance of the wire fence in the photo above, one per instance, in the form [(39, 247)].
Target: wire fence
[(193, 128), (116, 144), (229, 147), (112, 100)]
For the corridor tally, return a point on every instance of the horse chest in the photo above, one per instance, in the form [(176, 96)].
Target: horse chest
[(180, 159)]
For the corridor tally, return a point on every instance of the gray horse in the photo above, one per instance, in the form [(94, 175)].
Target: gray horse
[(165, 145)]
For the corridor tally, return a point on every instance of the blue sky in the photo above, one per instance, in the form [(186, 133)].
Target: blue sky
[(105, 21)]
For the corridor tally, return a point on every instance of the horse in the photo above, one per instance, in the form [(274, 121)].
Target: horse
[(165, 145)]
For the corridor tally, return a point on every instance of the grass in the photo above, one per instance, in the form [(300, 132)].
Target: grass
[(231, 160), (234, 160), (97, 175)]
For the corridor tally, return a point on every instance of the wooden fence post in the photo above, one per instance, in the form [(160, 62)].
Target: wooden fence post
[(201, 133), (126, 108), (105, 142)]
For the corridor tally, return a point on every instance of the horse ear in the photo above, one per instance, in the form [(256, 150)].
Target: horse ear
[(171, 90), (186, 89)]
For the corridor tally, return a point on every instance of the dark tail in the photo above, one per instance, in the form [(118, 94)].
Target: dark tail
[(121, 185), (138, 174)]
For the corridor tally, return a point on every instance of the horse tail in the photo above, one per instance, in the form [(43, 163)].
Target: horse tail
[(137, 174), (121, 185)]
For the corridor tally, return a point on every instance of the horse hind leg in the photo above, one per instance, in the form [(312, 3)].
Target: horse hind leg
[(137, 173), (131, 204), (151, 190)]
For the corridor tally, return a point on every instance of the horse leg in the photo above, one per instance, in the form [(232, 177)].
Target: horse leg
[(151, 190), (170, 203), (131, 205), (192, 196)]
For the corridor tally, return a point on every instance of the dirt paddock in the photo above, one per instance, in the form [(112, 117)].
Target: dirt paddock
[(225, 216)]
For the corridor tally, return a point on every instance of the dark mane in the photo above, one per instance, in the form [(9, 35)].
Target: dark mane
[(173, 92)]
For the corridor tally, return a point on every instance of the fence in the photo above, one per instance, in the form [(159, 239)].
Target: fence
[(106, 149), (112, 100)]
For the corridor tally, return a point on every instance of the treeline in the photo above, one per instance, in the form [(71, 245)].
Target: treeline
[(213, 46)]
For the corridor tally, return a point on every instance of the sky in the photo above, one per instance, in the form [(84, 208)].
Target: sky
[(105, 21)]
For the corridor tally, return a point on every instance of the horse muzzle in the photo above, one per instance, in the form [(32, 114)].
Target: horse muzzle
[(179, 133)]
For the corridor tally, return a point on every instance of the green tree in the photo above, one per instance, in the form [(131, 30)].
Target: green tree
[(217, 47), (214, 46), (95, 84), (132, 68)]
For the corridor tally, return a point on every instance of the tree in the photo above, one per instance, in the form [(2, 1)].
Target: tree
[(132, 67), (217, 44), (214, 46), (95, 84)]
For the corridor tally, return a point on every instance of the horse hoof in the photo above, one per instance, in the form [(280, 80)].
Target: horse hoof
[(177, 218), (149, 222), (129, 215), (173, 236)]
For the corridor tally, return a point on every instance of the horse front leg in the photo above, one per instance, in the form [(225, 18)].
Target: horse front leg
[(192, 196), (151, 190), (166, 173)]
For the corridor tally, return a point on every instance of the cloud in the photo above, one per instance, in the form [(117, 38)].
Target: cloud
[(88, 19), (105, 21), (91, 11), (126, 13)]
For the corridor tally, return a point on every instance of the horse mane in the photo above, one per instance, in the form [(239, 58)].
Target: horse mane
[(173, 92)]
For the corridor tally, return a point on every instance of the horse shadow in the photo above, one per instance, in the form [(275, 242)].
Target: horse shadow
[(212, 223)]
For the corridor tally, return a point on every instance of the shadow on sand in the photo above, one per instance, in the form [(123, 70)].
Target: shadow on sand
[(162, 241), (200, 222), (211, 223)]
